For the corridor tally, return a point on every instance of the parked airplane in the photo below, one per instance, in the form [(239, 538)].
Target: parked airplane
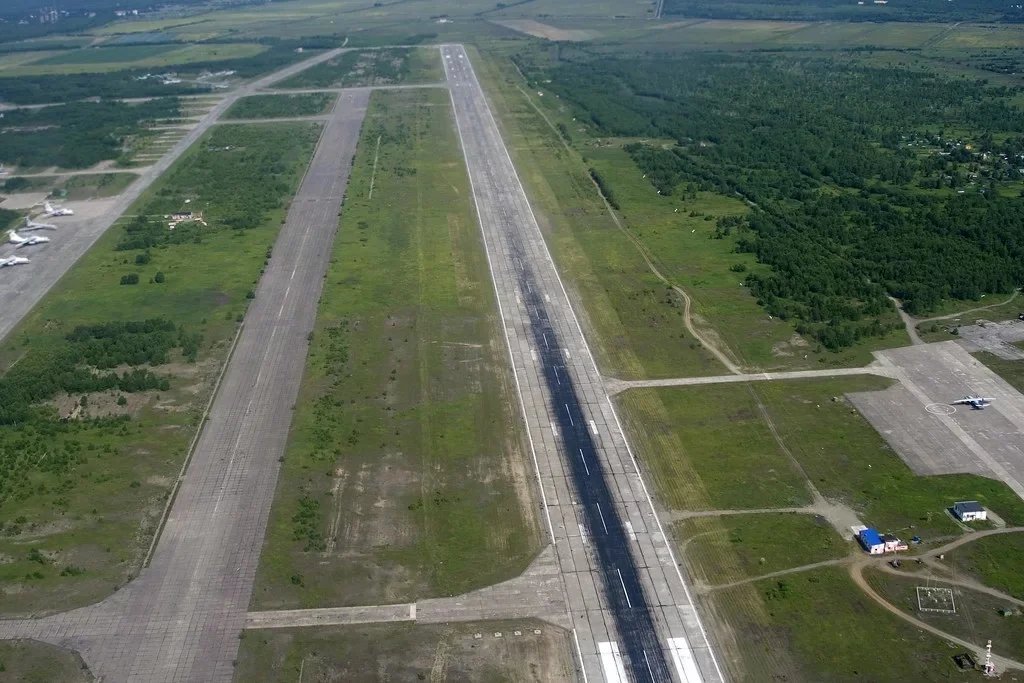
[(976, 402), (12, 261), (51, 210), (15, 238), (32, 225)]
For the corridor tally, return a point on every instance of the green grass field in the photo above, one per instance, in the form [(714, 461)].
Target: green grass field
[(387, 66), (977, 616), (76, 527), (404, 474), (280, 106), (711, 448), (407, 652), (818, 626), (28, 661), (996, 561), (725, 549), (1010, 370)]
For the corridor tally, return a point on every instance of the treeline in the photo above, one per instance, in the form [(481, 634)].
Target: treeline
[(846, 10), (126, 83), (76, 135), (817, 147), (77, 367)]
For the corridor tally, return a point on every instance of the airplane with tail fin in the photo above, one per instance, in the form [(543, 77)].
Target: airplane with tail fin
[(33, 225), (975, 402), (12, 261), (50, 210), (14, 238)]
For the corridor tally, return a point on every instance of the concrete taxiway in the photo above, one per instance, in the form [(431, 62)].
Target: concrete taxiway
[(21, 288), (181, 618), (631, 612)]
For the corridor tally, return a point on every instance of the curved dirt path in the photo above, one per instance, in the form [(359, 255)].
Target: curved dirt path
[(857, 575), (1013, 296), (713, 348)]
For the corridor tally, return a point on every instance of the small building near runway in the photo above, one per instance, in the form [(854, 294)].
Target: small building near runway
[(871, 541), (969, 511)]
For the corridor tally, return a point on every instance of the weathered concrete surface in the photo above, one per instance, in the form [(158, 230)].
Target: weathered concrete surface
[(934, 437), (180, 619), (996, 338)]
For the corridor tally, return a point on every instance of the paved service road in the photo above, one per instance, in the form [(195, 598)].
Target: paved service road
[(631, 612), (22, 287), (181, 618)]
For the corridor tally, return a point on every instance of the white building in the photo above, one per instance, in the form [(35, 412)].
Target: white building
[(969, 511)]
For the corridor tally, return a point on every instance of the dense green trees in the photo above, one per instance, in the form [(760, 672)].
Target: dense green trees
[(78, 134), (847, 10), (852, 179)]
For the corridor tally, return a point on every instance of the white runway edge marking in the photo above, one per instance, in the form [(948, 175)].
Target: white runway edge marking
[(583, 534), (593, 428), (611, 662), (683, 659), (554, 430)]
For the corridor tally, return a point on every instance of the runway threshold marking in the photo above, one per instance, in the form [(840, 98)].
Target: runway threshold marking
[(611, 662), (682, 658)]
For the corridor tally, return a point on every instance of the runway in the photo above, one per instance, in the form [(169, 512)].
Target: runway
[(180, 619), (632, 615), (22, 287)]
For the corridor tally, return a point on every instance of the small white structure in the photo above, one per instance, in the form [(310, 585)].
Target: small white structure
[(969, 511)]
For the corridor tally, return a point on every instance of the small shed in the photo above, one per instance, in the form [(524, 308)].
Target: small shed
[(969, 511), (871, 541)]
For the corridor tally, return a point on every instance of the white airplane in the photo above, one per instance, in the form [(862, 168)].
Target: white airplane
[(12, 261), (51, 210), (32, 225), (976, 402), (15, 238)]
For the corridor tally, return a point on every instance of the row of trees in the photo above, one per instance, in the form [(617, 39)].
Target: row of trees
[(815, 145)]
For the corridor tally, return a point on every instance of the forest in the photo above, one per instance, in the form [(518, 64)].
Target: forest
[(847, 10), (85, 364), (78, 134), (863, 182)]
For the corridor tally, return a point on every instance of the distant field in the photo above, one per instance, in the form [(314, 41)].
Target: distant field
[(404, 476), (79, 498), (279, 106), (386, 66), (28, 661), (407, 652), (106, 59), (73, 188)]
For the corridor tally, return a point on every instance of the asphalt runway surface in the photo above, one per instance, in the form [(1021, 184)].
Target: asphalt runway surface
[(180, 619), (22, 287), (632, 615)]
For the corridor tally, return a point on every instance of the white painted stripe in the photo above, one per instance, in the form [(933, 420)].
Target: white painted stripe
[(583, 534), (629, 530), (533, 354), (584, 462), (611, 662), (629, 602), (554, 430), (593, 428), (682, 657), (412, 612), (602, 517), (567, 354)]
